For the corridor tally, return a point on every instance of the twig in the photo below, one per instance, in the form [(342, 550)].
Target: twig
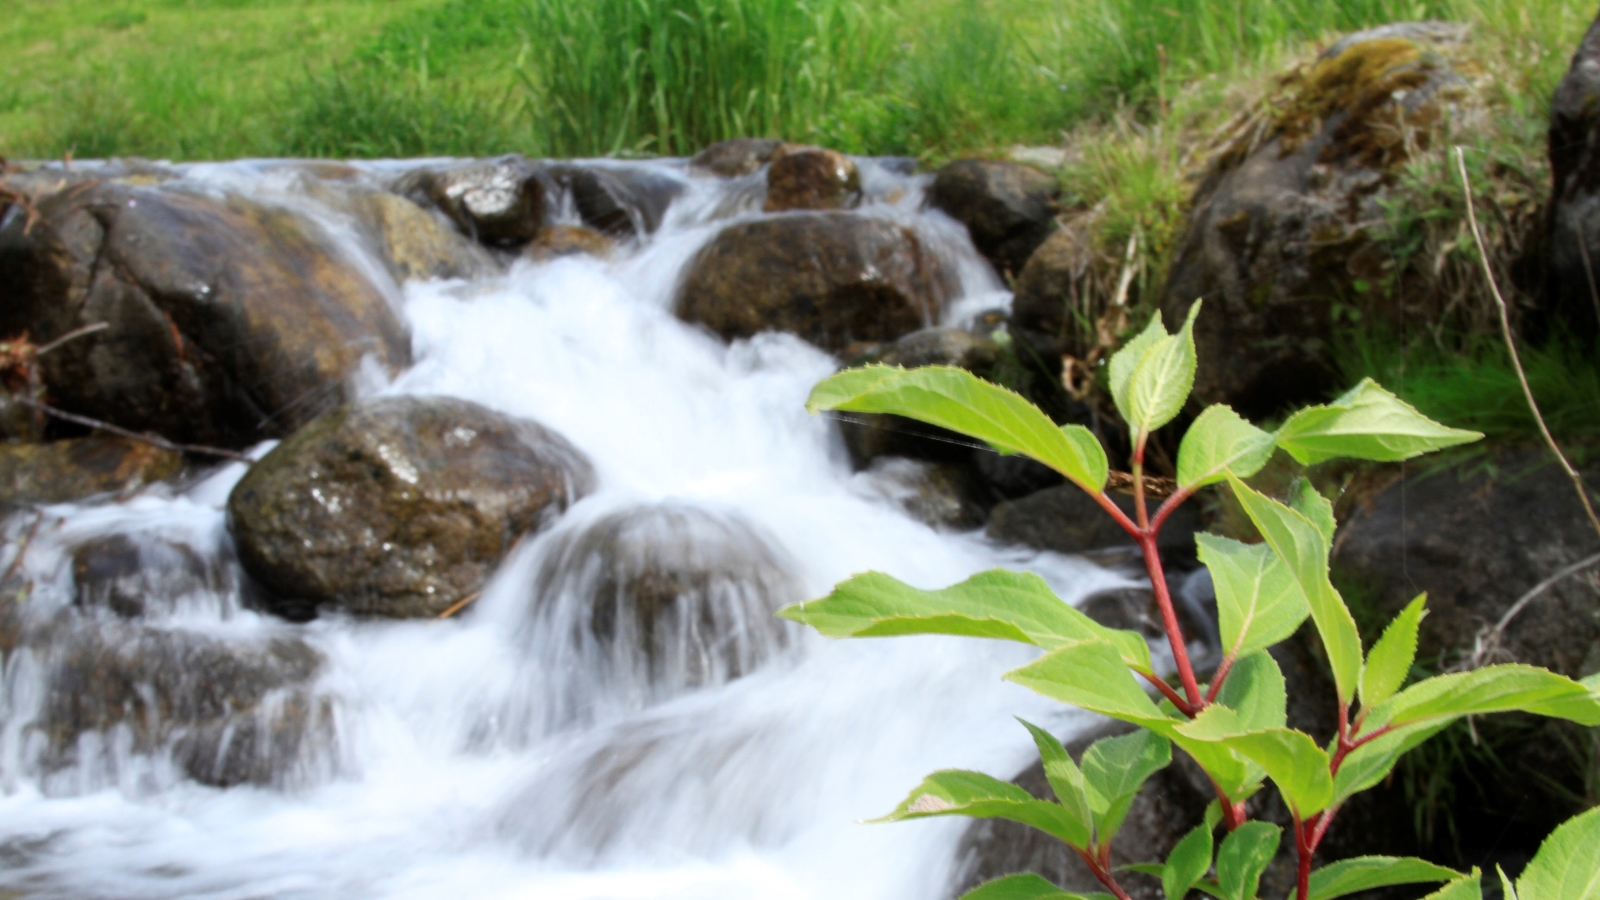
[(1488, 641), (459, 605), (71, 335), (23, 549), (151, 439), (1511, 345)]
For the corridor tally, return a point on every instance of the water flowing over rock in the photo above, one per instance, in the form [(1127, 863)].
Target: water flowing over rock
[(499, 202), (619, 203), (414, 244), (135, 576), (1008, 208), (77, 468), (740, 156), (1574, 285), (832, 278), (398, 507), (1281, 225), (811, 178), (556, 241), (229, 321)]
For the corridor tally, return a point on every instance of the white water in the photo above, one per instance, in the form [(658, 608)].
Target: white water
[(454, 771)]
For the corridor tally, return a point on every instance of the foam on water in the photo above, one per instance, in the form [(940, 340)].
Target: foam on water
[(450, 775)]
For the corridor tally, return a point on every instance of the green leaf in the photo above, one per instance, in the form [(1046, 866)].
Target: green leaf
[(1391, 657), (1370, 763), (1245, 853), (1221, 441), (960, 401), (1291, 758), (1210, 887), (954, 792), (1161, 383), (1308, 502), (1188, 862), (1303, 547), (1507, 891), (1364, 873), (1026, 886), (1259, 603), (1114, 769), (1469, 887), (1067, 782), (1014, 606), (1091, 675), (1567, 866), (1125, 361), (1368, 422), (1256, 691)]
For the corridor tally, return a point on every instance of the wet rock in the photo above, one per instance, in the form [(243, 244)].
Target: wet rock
[(1574, 275), (225, 712), (619, 202), (940, 495), (1279, 234), (868, 436), (1008, 208), (79, 468), (399, 506), (499, 202), (740, 156), (1013, 477), (1054, 295), (659, 599), (1067, 520), (229, 321), (556, 241), (414, 244), (811, 178), (832, 278), (136, 576)]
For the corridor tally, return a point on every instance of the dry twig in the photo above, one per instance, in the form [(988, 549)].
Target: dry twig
[(151, 439), (459, 605), (1487, 644)]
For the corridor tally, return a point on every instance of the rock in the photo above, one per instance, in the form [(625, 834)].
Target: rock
[(499, 202), (868, 436), (1278, 234), (811, 178), (1054, 296), (556, 241), (1067, 520), (399, 506), (230, 321), (136, 575), (1013, 477), (79, 468), (730, 159), (414, 244), (1008, 208), (618, 202), (832, 278), (940, 495), (1574, 274), (226, 713), (662, 598)]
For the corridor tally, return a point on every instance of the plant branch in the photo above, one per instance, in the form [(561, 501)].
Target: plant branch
[(1172, 695), (151, 439), (1302, 849), (1511, 345), (1221, 675), (22, 549), (1488, 642), (1169, 506), (1103, 873), (1169, 620)]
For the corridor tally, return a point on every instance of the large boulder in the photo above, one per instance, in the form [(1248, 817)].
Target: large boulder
[(499, 202), (413, 243), (811, 178), (398, 507), (832, 278), (229, 321), (79, 468), (1008, 208), (1574, 274), (1279, 234), (1055, 294)]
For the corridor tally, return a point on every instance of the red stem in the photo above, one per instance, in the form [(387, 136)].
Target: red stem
[(1232, 813), (1103, 873), (1167, 691), (1217, 679), (1138, 482), (1168, 505), (1169, 619), (1302, 849)]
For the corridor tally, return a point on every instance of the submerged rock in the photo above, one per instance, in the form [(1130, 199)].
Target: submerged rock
[(940, 495), (740, 156), (79, 468), (1008, 208), (134, 575), (229, 321), (400, 506), (1279, 233), (831, 277), (620, 202), (556, 241), (659, 599), (811, 178), (1574, 277)]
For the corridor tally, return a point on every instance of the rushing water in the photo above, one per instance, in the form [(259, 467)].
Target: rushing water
[(474, 757)]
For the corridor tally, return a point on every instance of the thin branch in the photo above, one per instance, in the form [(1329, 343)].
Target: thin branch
[(459, 605), (71, 335), (1172, 695), (1488, 641), (151, 439), (1511, 345)]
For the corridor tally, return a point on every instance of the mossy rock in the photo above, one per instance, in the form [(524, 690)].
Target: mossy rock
[(811, 178), (80, 468)]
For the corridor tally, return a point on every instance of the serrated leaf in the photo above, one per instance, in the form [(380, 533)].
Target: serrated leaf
[(1368, 422), (1026, 886), (1567, 866), (960, 401), (1391, 657), (1161, 383), (1370, 763), (1308, 502), (1291, 758), (1114, 769), (1066, 780), (1091, 675), (1001, 604), (1125, 361), (1259, 603), (1256, 691), (1245, 854), (1363, 873), (1302, 546), (1468, 888), (1507, 890), (1188, 862), (1221, 441), (955, 792)]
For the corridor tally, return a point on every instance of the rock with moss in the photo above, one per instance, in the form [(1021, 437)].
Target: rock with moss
[(1281, 231), (80, 468), (1008, 208), (811, 178), (1574, 274), (833, 278), (228, 321), (731, 159), (414, 244), (499, 202), (556, 241), (398, 507)]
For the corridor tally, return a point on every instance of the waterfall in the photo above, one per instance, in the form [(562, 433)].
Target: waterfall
[(529, 747)]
